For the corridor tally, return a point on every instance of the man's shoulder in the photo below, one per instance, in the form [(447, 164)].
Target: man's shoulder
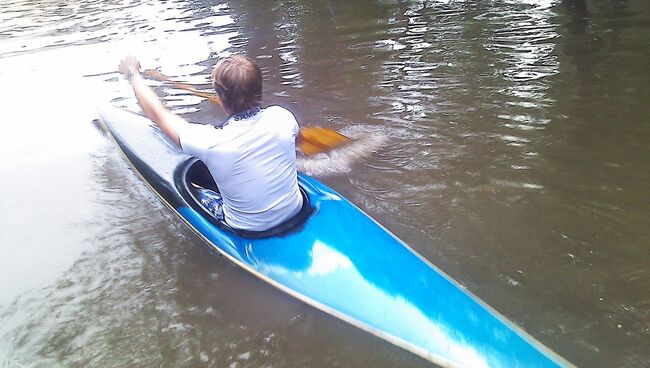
[(280, 118), (211, 134), (278, 111), (201, 130)]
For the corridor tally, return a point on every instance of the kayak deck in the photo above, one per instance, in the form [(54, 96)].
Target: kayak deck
[(344, 263)]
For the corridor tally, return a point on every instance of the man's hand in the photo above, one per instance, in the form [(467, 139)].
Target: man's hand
[(151, 105), (129, 66)]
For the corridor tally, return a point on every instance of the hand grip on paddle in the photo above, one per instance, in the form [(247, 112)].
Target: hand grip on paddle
[(311, 140)]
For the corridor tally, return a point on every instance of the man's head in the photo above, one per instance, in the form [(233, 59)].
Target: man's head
[(238, 81)]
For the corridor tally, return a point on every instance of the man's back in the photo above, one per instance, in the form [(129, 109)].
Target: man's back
[(253, 161)]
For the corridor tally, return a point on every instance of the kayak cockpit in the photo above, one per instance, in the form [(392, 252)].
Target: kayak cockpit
[(193, 174)]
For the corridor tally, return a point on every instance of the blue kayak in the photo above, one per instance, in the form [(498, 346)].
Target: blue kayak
[(338, 259)]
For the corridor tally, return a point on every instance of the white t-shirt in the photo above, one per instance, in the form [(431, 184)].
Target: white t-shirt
[(253, 162)]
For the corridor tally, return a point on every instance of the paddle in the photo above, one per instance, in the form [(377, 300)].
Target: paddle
[(311, 140)]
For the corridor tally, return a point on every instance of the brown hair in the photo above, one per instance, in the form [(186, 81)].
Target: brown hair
[(238, 82)]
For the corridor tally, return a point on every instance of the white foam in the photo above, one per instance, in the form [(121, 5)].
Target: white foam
[(364, 141)]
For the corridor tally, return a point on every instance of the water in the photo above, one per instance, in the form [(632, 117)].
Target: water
[(507, 141)]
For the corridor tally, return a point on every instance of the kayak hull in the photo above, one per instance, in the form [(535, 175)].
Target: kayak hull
[(344, 263)]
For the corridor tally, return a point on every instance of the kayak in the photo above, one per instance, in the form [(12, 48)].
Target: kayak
[(336, 258)]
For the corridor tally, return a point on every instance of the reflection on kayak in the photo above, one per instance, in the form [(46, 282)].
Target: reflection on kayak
[(341, 261)]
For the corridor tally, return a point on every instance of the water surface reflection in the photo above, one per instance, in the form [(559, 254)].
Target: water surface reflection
[(516, 160)]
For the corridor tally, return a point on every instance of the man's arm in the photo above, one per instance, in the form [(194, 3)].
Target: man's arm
[(168, 122)]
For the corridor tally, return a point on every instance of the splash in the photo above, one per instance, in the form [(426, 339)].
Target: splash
[(364, 141)]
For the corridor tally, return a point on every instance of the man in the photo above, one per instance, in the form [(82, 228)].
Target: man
[(251, 156)]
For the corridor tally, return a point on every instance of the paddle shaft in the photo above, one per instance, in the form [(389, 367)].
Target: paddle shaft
[(311, 140)]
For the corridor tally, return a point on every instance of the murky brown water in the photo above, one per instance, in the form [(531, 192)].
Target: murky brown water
[(517, 159)]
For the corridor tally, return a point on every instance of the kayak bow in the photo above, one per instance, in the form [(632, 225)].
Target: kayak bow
[(390, 290)]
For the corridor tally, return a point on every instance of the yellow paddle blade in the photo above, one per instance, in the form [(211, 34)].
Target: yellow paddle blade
[(311, 140), (314, 139)]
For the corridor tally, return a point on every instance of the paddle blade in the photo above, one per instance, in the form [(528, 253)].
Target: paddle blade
[(313, 140)]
